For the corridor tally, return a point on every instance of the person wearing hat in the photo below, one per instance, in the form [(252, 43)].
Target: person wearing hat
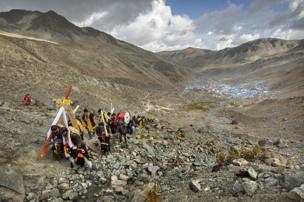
[(103, 138), (56, 143), (89, 122)]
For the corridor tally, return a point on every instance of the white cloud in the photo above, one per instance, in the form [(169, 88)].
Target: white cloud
[(248, 37), (288, 34), (295, 4), (91, 19), (151, 24), (158, 29)]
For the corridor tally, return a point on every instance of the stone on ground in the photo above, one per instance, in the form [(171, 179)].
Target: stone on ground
[(195, 185)]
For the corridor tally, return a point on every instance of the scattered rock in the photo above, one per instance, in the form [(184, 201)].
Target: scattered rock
[(70, 194), (276, 162), (271, 181), (195, 185), (235, 188), (240, 162), (297, 193), (64, 186), (250, 187), (123, 177), (116, 165), (54, 192), (57, 200), (107, 199), (44, 195), (119, 189), (114, 178), (118, 183), (153, 169), (280, 170), (149, 149), (252, 173), (265, 143), (280, 143), (149, 193), (30, 196), (168, 136)]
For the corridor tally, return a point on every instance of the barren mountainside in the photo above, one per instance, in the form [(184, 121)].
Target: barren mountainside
[(89, 59)]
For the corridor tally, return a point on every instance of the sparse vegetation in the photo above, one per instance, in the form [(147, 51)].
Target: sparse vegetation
[(248, 153), (203, 106)]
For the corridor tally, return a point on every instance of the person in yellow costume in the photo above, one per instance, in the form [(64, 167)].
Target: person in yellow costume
[(141, 121), (79, 126), (105, 115), (89, 122)]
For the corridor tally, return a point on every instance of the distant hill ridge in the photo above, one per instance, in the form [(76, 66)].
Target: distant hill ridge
[(247, 52)]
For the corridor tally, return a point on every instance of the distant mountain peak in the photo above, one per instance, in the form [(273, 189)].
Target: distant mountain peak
[(48, 25)]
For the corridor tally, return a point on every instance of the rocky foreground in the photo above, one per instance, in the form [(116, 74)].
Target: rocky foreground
[(173, 159)]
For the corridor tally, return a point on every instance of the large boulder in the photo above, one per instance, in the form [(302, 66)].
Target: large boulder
[(297, 193), (11, 184), (292, 180), (250, 187), (235, 188)]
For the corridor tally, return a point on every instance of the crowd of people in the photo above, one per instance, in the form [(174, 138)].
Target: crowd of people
[(100, 129)]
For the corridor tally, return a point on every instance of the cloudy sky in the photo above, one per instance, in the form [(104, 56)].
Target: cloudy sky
[(159, 25)]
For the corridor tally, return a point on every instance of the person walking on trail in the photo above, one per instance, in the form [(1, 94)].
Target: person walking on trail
[(122, 129), (113, 124), (141, 121), (106, 117), (57, 146), (79, 126), (80, 157), (103, 138), (89, 122)]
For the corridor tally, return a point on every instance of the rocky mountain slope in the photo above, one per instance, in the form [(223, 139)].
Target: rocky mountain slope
[(90, 60), (233, 153)]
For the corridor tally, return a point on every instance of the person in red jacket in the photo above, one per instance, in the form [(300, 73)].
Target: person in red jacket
[(27, 100)]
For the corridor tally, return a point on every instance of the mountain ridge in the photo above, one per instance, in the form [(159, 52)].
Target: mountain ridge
[(83, 51), (246, 52)]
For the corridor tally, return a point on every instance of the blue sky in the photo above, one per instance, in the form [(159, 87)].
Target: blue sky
[(159, 25)]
